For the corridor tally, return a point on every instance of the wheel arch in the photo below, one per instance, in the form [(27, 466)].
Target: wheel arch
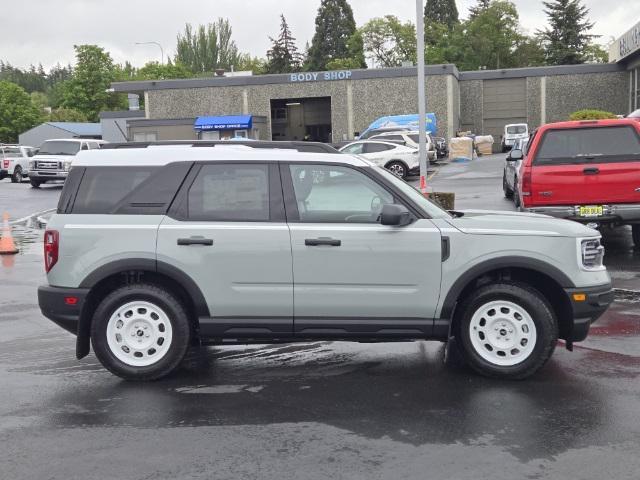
[(544, 277), (113, 275)]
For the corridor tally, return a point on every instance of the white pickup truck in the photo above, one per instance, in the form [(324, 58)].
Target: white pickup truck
[(54, 159), (14, 162)]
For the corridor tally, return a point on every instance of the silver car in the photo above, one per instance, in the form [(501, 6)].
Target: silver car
[(155, 249), (512, 168)]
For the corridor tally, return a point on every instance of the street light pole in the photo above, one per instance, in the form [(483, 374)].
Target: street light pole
[(159, 46), (422, 102)]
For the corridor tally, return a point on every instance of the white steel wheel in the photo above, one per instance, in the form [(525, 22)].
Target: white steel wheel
[(139, 333), (502, 333)]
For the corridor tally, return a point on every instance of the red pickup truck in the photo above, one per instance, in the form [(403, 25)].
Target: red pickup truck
[(587, 171)]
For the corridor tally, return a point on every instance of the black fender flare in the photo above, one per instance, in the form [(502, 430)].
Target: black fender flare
[(451, 299), (132, 265)]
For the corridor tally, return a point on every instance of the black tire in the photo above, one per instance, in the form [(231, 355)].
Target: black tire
[(398, 168), (525, 297), (508, 193), (35, 183), (17, 175), (159, 297), (635, 233), (516, 194)]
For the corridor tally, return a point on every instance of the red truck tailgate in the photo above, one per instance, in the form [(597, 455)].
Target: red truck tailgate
[(597, 183), (594, 165)]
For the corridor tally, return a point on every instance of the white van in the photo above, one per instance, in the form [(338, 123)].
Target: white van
[(513, 132)]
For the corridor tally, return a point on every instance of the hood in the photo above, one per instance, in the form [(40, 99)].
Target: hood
[(488, 222), (57, 158)]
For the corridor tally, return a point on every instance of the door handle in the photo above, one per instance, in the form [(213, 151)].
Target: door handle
[(195, 241), (314, 242), (591, 171)]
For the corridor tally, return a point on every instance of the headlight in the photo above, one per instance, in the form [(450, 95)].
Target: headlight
[(591, 254), (32, 165), (67, 166)]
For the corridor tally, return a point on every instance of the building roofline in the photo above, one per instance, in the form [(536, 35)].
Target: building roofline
[(123, 114), (364, 74), (361, 74), (541, 71)]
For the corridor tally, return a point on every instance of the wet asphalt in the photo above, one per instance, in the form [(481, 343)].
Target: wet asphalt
[(317, 410)]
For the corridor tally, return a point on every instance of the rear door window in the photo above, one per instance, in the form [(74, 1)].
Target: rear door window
[(230, 192), (376, 147), (589, 145)]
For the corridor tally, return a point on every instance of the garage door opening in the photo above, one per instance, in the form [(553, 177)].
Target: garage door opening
[(301, 119)]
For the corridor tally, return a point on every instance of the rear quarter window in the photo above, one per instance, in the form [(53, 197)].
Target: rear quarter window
[(122, 190), (589, 145)]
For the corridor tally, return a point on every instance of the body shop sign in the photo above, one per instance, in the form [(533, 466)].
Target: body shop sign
[(320, 76), (629, 42)]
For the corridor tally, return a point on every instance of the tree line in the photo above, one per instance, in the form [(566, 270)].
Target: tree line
[(489, 38)]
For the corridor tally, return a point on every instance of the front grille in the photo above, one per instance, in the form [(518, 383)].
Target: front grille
[(47, 165), (592, 253)]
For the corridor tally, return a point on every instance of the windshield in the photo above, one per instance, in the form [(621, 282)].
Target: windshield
[(57, 147), (514, 129), (431, 208), (10, 152)]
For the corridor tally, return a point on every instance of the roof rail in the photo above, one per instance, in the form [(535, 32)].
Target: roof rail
[(287, 144)]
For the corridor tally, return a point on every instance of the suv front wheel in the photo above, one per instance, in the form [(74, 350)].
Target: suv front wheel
[(506, 330), (140, 332)]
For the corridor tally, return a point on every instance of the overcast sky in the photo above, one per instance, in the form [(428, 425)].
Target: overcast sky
[(44, 31)]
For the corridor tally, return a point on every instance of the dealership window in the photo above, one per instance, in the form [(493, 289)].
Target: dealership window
[(145, 137)]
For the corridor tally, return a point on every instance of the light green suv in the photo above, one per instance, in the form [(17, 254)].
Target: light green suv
[(157, 248)]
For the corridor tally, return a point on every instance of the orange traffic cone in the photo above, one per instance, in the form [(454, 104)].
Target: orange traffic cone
[(7, 245)]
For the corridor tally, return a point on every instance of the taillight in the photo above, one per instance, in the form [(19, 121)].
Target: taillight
[(51, 244), (526, 183), (5, 164)]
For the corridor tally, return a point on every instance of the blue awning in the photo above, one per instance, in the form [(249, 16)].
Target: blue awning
[(227, 122)]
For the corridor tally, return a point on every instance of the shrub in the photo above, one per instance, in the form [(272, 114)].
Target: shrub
[(589, 114)]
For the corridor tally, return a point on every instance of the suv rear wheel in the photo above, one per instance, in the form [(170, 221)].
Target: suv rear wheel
[(140, 332), (398, 168), (506, 330)]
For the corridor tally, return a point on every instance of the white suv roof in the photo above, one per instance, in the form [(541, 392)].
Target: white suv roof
[(164, 154)]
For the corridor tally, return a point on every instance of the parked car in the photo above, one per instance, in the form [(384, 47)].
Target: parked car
[(377, 131), (14, 162), (305, 246), (587, 171), (55, 157), (408, 138), (398, 159), (511, 169), (513, 132)]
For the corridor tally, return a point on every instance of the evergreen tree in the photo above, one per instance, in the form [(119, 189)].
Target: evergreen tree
[(444, 12), (566, 39), (335, 25), (284, 57), (480, 7)]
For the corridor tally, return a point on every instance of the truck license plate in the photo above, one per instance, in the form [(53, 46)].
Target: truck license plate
[(591, 211)]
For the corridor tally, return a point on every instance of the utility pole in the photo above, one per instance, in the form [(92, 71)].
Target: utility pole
[(422, 101)]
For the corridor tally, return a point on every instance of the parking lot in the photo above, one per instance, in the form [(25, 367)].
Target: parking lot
[(322, 409)]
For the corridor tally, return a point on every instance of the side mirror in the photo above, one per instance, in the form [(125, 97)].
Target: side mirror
[(515, 155), (395, 215)]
